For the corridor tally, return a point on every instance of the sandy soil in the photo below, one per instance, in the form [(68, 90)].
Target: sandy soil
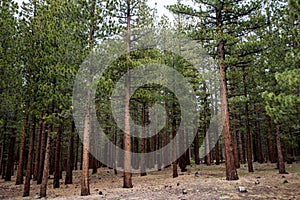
[(199, 182)]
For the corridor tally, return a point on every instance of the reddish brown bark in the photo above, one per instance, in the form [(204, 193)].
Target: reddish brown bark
[(57, 158), (19, 179), (231, 173), (30, 158), (37, 151), (70, 161), (43, 187), (42, 153)]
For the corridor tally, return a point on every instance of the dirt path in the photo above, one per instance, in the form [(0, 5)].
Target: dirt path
[(199, 182)]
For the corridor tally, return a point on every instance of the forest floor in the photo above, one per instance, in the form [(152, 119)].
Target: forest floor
[(199, 182)]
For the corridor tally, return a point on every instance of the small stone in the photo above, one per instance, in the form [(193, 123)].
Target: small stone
[(178, 184), (258, 177), (36, 196), (257, 182), (283, 177), (285, 181), (184, 191), (100, 193), (197, 174), (242, 189), (96, 190)]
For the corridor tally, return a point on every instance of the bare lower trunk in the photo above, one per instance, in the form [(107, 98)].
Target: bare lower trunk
[(270, 141), (57, 158), (42, 153), (10, 159), (43, 187), (19, 179), (281, 164), (30, 158), (70, 162)]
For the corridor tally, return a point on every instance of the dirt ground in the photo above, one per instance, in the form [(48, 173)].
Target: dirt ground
[(199, 182)]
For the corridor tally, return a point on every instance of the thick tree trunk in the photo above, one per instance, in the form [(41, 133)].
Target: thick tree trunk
[(19, 179), (57, 158), (281, 164), (30, 158), (271, 141), (127, 181), (10, 158), (43, 187), (231, 173)]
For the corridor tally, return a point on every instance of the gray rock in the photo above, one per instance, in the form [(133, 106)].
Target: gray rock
[(242, 189)]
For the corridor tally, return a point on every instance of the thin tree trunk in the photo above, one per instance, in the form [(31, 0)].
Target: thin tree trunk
[(249, 146), (270, 141), (175, 172), (10, 158), (258, 137), (37, 151), (43, 187), (241, 147), (42, 153), (19, 179), (281, 164), (143, 162), (30, 158), (76, 152), (70, 162), (235, 144), (57, 157)]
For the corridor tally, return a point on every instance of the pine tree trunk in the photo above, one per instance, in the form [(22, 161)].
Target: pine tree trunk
[(70, 162), (235, 144), (19, 179), (2, 162), (249, 146), (143, 162), (10, 158), (42, 153), (57, 158), (241, 147), (37, 151), (260, 158), (231, 173), (127, 182), (76, 152), (175, 172), (270, 141), (85, 187), (30, 158), (281, 164), (43, 187)]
